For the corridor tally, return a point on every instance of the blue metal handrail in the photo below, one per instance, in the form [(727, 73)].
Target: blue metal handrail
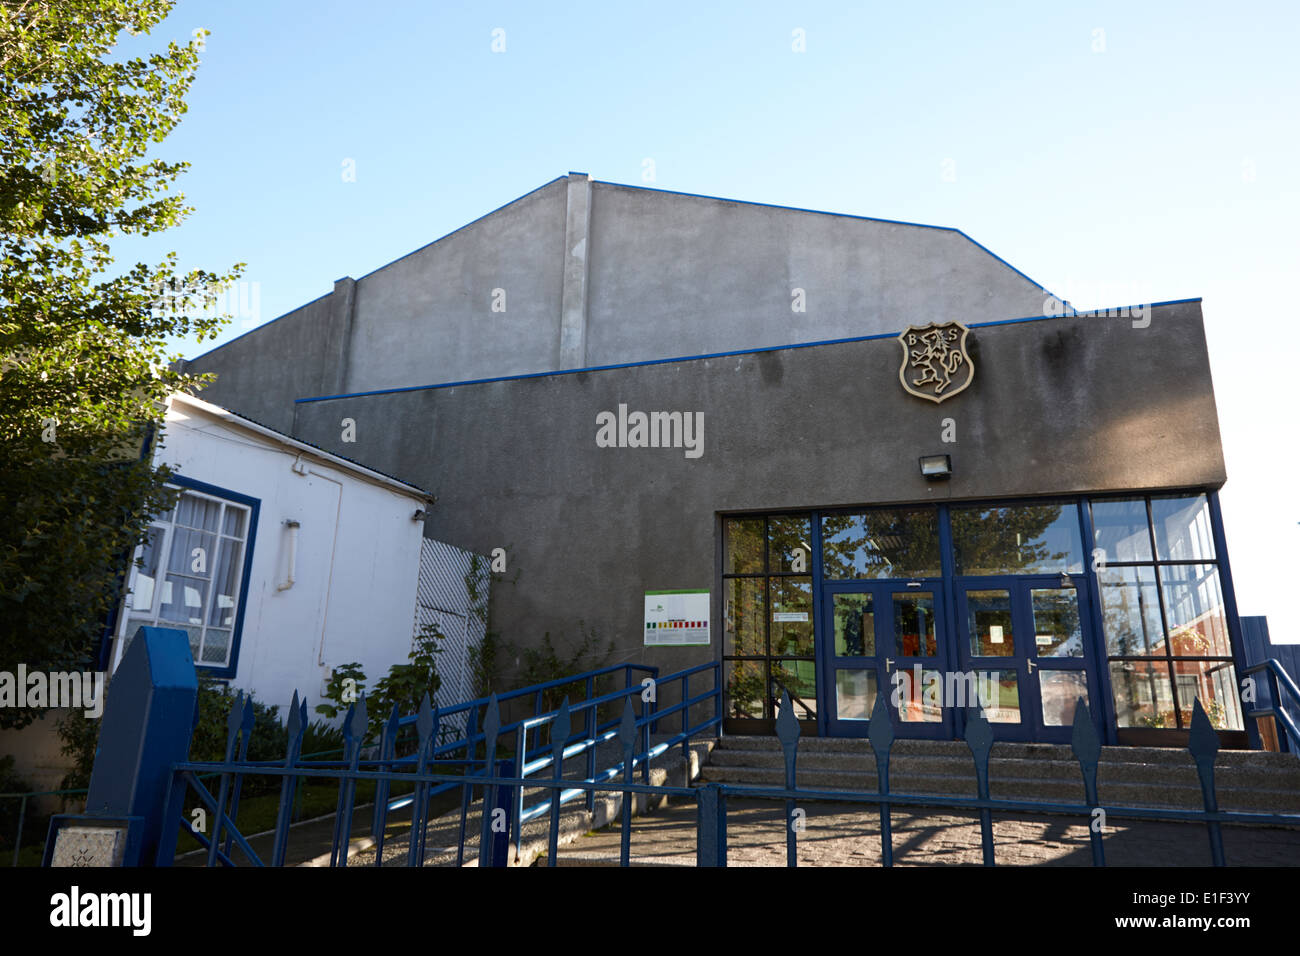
[(1278, 680), (474, 735), (587, 742)]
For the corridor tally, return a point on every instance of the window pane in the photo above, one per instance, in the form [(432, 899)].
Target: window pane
[(1130, 612), (1057, 632), (855, 626), (1214, 682), (745, 688), (1183, 528), (192, 553), (799, 680), (1060, 692), (744, 546), (788, 547), (1000, 696), (233, 522), (183, 600), (1198, 625), (195, 512), (1023, 539), (918, 694), (893, 543), (914, 624), (1120, 530), (146, 574), (225, 590), (216, 646), (855, 694), (792, 624), (743, 631), (1143, 695), (989, 620)]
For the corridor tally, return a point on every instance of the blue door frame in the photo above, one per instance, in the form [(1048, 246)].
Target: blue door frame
[(897, 666)]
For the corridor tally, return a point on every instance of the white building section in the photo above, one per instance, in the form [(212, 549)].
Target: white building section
[(280, 560)]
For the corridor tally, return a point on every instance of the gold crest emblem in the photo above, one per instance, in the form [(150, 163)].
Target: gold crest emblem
[(936, 364)]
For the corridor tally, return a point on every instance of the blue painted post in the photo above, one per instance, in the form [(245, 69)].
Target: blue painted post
[(787, 731), (880, 732), (148, 719), (505, 804), (711, 826), (686, 716)]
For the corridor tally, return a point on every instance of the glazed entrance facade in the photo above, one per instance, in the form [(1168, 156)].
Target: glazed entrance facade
[(1020, 607)]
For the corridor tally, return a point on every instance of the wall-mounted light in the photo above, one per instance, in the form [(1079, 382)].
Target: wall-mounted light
[(936, 467)]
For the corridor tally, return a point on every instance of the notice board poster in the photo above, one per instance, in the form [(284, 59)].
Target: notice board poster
[(676, 618)]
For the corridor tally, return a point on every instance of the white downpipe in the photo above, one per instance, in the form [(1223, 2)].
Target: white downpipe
[(292, 527)]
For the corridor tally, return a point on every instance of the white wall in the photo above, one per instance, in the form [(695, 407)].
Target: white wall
[(358, 558)]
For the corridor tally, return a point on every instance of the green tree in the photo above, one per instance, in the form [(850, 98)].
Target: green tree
[(83, 363)]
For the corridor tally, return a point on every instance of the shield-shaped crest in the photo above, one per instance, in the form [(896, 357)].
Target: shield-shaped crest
[(936, 364)]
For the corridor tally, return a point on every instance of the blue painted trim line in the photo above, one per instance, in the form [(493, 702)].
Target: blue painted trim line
[(712, 355)]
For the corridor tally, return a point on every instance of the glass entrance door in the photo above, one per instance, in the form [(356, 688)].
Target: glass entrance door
[(884, 637), (1021, 646)]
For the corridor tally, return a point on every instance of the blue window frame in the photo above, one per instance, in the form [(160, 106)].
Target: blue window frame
[(1061, 573), (192, 573)]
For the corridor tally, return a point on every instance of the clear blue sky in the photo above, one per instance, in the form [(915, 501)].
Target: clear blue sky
[(1114, 152)]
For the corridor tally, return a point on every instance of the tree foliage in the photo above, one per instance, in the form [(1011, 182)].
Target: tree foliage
[(83, 363)]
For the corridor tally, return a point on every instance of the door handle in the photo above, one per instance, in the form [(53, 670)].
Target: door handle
[(889, 662), (1031, 666)]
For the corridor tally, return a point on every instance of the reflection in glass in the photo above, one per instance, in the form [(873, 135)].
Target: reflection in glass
[(799, 680), (1130, 612), (1214, 682), (1059, 692), (1143, 695), (855, 694), (999, 693), (886, 543), (744, 546), (147, 573), (792, 623), (1120, 530), (1198, 625), (1182, 527), (1057, 632), (745, 688), (917, 694), (914, 624), (989, 623), (743, 633), (855, 625), (788, 547), (1020, 539)]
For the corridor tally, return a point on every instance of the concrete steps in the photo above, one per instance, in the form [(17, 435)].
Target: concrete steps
[(1131, 776)]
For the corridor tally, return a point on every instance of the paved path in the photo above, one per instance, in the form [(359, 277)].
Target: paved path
[(843, 835)]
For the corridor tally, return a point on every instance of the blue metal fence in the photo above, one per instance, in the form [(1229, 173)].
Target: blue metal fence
[(503, 781)]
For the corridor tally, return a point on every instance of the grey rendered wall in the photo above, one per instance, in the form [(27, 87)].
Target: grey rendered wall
[(1056, 406), (428, 317), (260, 373), (675, 275), (598, 274)]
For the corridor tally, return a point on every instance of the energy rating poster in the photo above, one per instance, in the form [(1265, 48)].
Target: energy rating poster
[(675, 618)]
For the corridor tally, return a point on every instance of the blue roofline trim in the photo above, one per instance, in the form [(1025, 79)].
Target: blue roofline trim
[(712, 355), (842, 215)]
